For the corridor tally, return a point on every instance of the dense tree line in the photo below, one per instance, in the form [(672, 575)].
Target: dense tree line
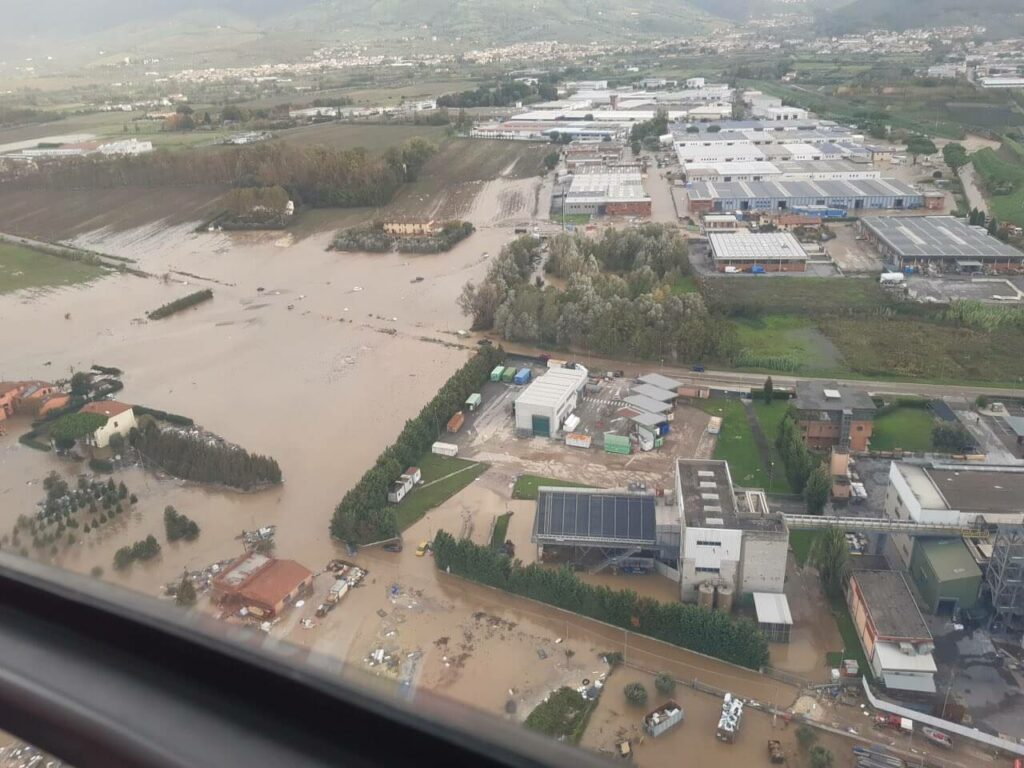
[(713, 633), (364, 515), (179, 526), (618, 300), (146, 549), (372, 238), (501, 94), (797, 459), (649, 131), (257, 205), (316, 176), (204, 460), (953, 438), (179, 304)]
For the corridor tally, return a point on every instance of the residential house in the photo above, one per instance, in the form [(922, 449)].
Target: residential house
[(33, 393), (9, 393), (53, 402), (120, 421)]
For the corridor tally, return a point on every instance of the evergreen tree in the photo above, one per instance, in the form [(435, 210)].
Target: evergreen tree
[(768, 390), (186, 595), (818, 489)]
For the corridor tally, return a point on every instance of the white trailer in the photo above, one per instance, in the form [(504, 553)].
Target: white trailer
[(892, 278), (445, 449)]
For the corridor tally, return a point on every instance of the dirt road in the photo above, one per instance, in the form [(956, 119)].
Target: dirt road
[(969, 178)]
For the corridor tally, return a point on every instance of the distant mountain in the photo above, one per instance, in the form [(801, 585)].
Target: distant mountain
[(1001, 17)]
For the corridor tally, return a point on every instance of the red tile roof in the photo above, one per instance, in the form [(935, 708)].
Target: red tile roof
[(106, 408), (273, 583)]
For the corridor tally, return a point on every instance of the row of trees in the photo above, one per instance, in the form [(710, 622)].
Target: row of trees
[(146, 549), (805, 470), (713, 633), (198, 458), (316, 176), (373, 239), (178, 526), (505, 93), (171, 307), (364, 515), (618, 300)]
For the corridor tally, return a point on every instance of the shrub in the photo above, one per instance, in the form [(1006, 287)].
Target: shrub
[(665, 683), (178, 526), (101, 465), (636, 694), (180, 304)]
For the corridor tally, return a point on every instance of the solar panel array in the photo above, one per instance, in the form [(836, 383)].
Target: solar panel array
[(589, 516)]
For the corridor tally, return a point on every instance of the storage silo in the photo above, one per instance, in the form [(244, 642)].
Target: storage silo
[(725, 597), (706, 595)]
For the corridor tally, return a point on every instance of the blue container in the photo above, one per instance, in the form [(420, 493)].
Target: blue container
[(757, 269), (663, 429), (522, 376)]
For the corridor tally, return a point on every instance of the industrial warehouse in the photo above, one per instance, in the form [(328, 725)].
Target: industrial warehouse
[(545, 404), (919, 242), (608, 191), (851, 195), (757, 252)]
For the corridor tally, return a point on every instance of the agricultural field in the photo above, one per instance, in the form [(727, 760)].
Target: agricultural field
[(27, 269), (900, 427), (785, 343), (373, 137)]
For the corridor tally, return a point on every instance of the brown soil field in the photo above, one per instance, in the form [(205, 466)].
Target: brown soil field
[(61, 214), (372, 136)]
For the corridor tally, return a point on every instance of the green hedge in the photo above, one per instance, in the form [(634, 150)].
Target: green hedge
[(689, 626), (29, 439), (364, 514), (179, 304), (171, 418)]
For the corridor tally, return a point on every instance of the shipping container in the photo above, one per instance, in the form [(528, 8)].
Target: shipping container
[(617, 444), (497, 372), (668, 715), (714, 425), (552, 363), (508, 375), (456, 422), (578, 440), (522, 376), (473, 401), (444, 449)]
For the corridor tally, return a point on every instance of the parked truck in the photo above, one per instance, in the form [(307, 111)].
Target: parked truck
[(455, 422)]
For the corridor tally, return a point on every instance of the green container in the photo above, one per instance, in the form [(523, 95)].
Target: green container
[(496, 373), (617, 444), (508, 375)]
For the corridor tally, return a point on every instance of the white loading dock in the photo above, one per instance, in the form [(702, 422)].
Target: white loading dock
[(545, 404)]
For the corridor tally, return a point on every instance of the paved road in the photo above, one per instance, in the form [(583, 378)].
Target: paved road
[(969, 178), (738, 380)]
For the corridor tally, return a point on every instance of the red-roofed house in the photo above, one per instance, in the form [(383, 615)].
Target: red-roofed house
[(120, 420), (261, 584), (9, 393)]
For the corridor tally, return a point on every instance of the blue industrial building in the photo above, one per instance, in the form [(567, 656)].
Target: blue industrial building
[(849, 195)]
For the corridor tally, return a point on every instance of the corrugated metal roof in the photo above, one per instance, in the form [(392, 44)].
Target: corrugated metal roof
[(664, 382), (916, 683), (656, 393), (648, 404), (552, 389)]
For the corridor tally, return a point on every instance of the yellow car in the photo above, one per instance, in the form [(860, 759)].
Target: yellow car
[(421, 550)]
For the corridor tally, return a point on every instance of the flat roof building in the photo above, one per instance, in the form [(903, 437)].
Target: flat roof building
[(606, 191), (946, 576), (908, 241), (847, 195), (544, 405), (729, 536), (773, 616), (759, 252), (832, 414), (892, 630)]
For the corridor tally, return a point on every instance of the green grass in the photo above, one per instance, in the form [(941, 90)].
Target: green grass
[(685, 284), (801, 542), (439, 485), (770, 416), (772, 339), (563, 716), (526, 485), (500, 530), (25, 268), (906, 428), (852, 648), (736, 444), (574, 218), (1003, 170)]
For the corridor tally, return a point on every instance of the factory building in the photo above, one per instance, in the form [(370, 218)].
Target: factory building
[(608, 191), (544, 405), (945, 574), (780, 170), (946, 241), (729, 538), (951, 493), (831, 414), (1004, 577), (850, 196), (757, 252), (893, 632)]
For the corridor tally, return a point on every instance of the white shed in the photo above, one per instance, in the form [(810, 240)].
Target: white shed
[(544, 405)]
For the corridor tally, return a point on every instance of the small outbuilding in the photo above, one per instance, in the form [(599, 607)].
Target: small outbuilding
[(773, 616)]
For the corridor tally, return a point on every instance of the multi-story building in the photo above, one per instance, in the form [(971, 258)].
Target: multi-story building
[(831, 414)]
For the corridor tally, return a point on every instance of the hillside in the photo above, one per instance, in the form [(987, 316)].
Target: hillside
[(1001, 17)]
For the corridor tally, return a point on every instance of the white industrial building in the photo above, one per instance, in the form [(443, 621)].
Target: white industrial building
[(605, 190), (545, 404), (729, 537), (757, 251)]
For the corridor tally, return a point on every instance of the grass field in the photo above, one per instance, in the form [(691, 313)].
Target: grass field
[(685, 284), (375, 138), (806, 296), (443, 477), (770, 417), (786, 340), (24, 268), (500, 530), (574, 218), (852, 649), (1003, 171), (906, 428), (526, 485), (736, 443), (801, 542)]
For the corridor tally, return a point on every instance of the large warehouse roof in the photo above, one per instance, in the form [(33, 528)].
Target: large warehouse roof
[(752, 190), (614, 186), (937, 237), (552, 389), (588, 516), (891, 605), (762, 247)]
